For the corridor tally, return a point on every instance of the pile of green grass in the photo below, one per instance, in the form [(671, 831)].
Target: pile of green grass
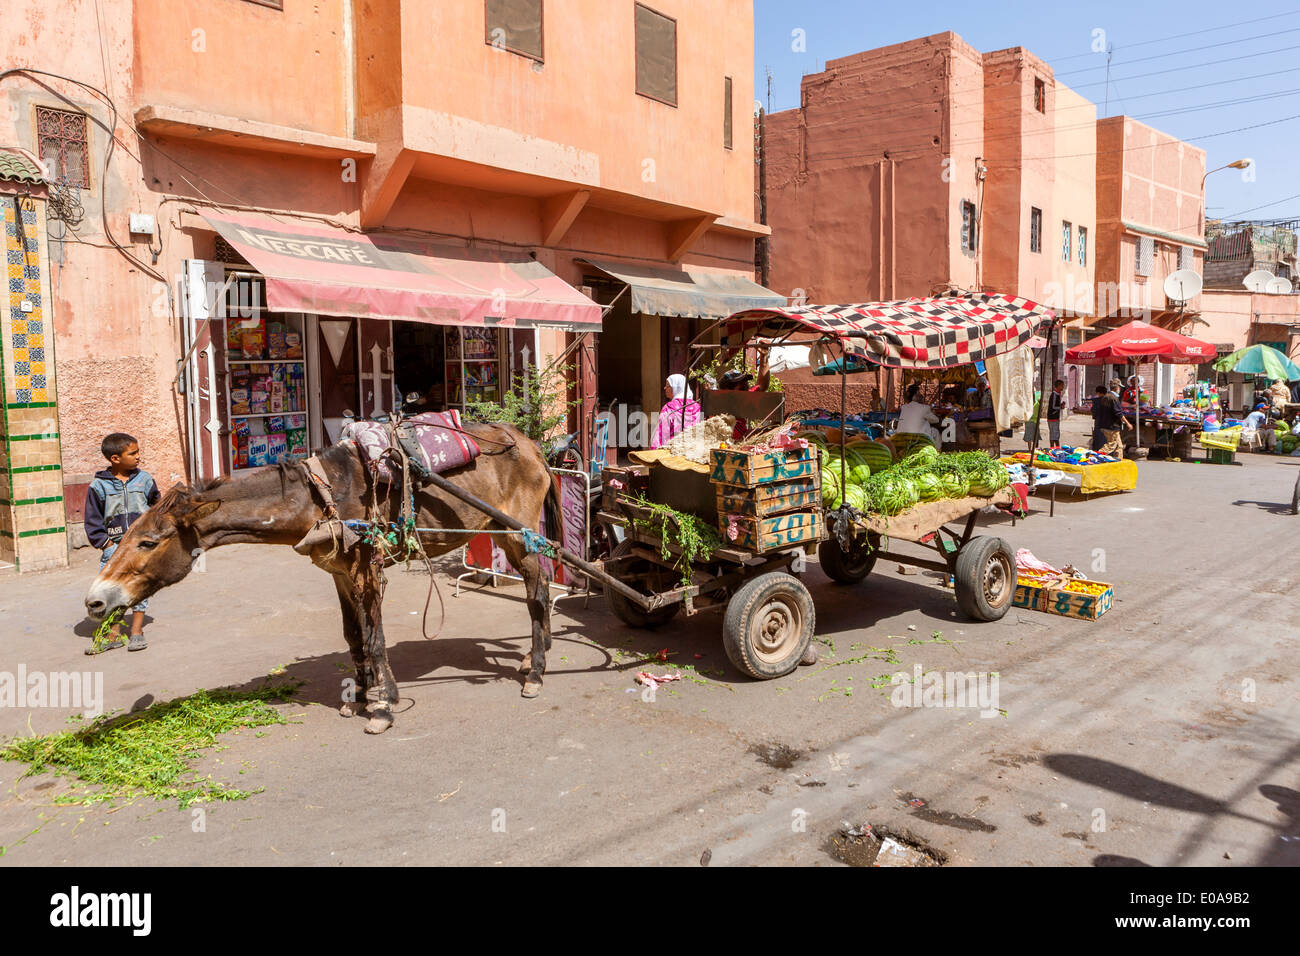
[(150, 753)]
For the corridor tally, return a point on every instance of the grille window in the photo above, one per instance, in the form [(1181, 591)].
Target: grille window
[(656, 55), (61, 139), (515, 25), (969, 228), (1186, 258), (1040, 96), (1146, 254), (1066, 230), (1035, 229), (1083, 245)]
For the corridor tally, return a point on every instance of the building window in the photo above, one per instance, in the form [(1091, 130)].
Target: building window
[(515, 25), (656, 55), (1040, 95), (1186, 258), (61, 141), (1035, 229), (1066, 230), (969, 228), (1145, 255), (1083, 245), (726, 112)]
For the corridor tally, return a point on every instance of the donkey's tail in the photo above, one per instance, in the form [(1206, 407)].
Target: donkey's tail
[(553, 509)]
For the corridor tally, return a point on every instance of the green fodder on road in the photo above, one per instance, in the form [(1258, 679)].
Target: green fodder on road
[(150, 753)]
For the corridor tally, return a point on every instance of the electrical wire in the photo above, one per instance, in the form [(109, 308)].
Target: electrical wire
[(1181, 36)]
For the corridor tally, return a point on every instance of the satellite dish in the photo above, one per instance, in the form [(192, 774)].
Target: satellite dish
[(1183, 285), (1278, 286), (1256, 281)]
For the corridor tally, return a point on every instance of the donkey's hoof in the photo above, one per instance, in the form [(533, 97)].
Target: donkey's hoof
[(350, 709), (378, 723), (531, 689), (526, 664)]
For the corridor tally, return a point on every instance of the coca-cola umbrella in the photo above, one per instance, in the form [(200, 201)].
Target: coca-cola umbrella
[(1140, 342)]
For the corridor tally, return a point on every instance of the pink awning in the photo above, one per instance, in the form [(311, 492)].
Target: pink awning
[(314, 267)]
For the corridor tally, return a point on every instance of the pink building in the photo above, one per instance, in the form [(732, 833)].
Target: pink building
[(927, 165), (605, 144)]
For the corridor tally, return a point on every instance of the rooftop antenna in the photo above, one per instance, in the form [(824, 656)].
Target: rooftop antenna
[(769, 88), (1110, 49)]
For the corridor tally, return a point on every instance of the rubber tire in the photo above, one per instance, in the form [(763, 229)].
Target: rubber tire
[(756, 598), (973, 561), (837, 565), (629, 613)]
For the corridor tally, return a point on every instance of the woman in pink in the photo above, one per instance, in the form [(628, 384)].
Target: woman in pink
[(680, 412)]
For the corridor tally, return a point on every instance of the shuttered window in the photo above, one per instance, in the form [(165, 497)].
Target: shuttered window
[(1066, 230), (656, 55), (726, 112), (515, 25), (969, 228), (1035, 229), (1083, 245), (1186, 259)]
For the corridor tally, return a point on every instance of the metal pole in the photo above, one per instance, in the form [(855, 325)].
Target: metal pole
[(646, 603)]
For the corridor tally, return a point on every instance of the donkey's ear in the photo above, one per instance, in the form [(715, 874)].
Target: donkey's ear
[(199, 512)]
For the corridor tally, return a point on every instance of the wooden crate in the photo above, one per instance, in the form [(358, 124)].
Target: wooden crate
[(1049, 600), (735, 466), (760, 535), (764, 500)]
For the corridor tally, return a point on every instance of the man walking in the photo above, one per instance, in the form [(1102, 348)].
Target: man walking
[(1055, 402)]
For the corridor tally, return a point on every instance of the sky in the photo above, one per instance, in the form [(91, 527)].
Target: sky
[(1203, 68)]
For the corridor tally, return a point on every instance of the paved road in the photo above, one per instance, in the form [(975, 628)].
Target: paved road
[(1132, 740)]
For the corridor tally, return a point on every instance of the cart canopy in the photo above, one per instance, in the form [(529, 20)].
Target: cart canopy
[(913, 333)]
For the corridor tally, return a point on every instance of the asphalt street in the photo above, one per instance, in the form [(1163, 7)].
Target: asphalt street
[(1166, 733)]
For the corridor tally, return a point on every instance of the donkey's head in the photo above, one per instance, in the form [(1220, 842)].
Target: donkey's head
[(157, 550)]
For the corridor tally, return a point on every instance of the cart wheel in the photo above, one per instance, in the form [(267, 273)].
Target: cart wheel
[(768, 625), (985, 578), (625, 610), (852, 567)]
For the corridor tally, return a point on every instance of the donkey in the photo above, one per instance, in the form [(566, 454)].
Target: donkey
[(278, 505)]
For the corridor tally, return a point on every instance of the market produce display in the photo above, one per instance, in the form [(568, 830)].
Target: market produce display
[(875, 486), (1065, 455)]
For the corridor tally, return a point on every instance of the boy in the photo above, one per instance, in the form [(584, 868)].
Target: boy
[(1055, 402), (118, 496)]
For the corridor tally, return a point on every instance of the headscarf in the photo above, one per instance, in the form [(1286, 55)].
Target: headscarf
[(680, 389)]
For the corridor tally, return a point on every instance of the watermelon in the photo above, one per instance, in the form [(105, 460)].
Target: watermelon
[(858, 468), (877, 455), (953, 485), (906, 443), (928, 485), (832, 496), (857, 497)]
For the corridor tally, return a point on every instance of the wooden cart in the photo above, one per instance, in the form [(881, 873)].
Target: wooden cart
[(769, 615), (983, 568)]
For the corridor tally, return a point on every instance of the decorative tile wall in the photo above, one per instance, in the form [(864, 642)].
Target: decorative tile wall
[(32, 517)]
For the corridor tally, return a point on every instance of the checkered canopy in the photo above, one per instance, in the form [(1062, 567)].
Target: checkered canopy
[(912, 333)]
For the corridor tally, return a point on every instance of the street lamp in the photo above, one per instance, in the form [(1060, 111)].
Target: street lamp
[(1236, 164)]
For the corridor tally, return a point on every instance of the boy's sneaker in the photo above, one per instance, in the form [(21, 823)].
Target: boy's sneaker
[(107, 644), (137, 643)]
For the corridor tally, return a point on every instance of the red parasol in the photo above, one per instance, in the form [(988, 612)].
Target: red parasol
[(1141, 342)]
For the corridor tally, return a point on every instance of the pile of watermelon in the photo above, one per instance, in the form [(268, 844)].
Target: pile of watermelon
[(890, 476)]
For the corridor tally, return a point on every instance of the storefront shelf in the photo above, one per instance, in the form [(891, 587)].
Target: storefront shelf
[(267, 362)]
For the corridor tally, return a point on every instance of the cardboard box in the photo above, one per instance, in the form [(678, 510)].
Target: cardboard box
[(1032, 595)]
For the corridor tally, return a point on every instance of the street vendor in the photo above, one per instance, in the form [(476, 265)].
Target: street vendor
[(916, 417), (1133, 393), (679, 413), (1257, 422), (1279, 394)]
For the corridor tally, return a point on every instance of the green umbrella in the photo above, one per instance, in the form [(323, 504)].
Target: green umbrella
[(1260, 360)]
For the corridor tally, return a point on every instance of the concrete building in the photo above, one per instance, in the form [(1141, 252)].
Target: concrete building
[(1238, 249), (606, 144)]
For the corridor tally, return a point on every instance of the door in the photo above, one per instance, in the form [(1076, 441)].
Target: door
[(202, 298), (375, 366), (338, 367)]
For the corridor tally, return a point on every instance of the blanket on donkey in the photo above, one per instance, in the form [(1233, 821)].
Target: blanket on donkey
[(433, 440)]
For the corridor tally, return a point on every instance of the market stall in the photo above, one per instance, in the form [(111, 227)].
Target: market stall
[(1136, 343)]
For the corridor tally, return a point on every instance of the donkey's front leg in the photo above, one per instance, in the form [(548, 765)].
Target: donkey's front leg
[(354, 698), (370, 601)]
